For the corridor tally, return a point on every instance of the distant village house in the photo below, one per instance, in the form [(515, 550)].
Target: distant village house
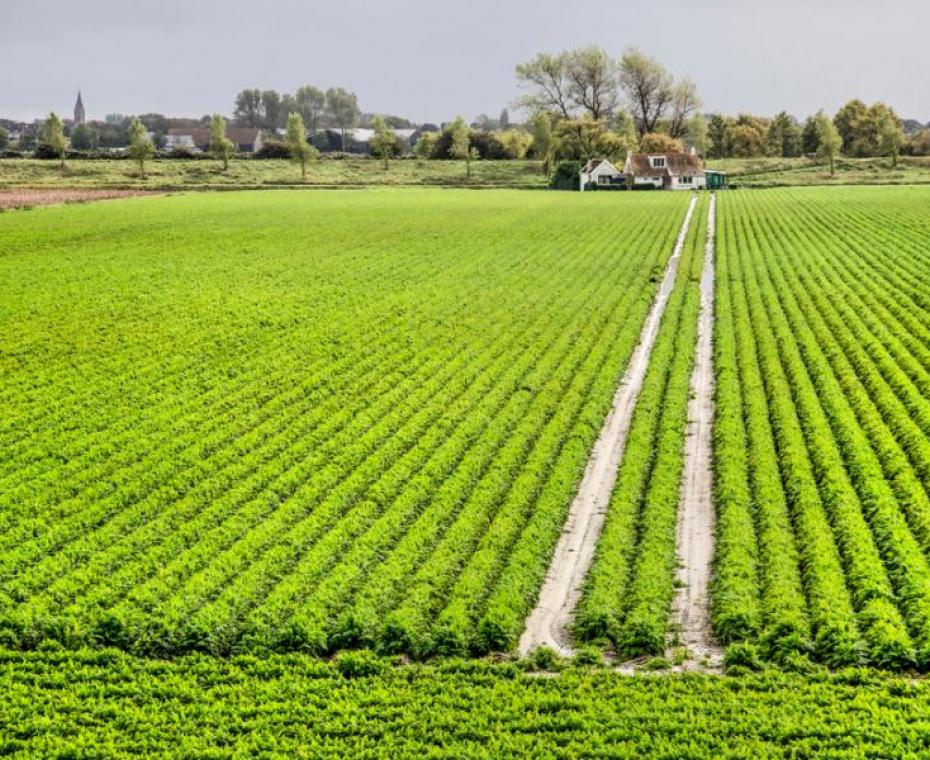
[(197, 139), (357, 139)]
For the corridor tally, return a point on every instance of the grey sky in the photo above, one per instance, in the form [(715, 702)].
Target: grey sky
[(430, 60)]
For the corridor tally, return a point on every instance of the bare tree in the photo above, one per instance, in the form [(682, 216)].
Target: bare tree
[(592, 76), (685, 101), (648, 87), (547, 78)]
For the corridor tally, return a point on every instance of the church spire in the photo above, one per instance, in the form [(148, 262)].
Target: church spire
[(79, 115)]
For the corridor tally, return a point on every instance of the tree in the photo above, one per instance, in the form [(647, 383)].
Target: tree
[(384, 141), (696, 134), (581, 139), (542, 133), (140, 145), (851, 122), (221, 147), (301, 151), (424, 146), (648, 87), (718, 134), (860, 127), (82, 137), (810, 142), (310, 103), (516, 142), (342, 107), (460, 145), (656, 142), (829, 140), (592, 81), (624, 126), (248, 110), (891, 138), (272, 115), (746, 142), (919, 144), (504, 120), (685, 101), (784, 136), (747, 135), (4, 139), (546, 76), (53, 137)]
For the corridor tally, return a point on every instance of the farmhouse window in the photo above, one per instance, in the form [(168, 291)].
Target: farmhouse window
[(658, 162)]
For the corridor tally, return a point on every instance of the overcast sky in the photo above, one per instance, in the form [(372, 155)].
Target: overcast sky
[(430, 60)]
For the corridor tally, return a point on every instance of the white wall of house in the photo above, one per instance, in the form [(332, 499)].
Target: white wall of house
[(654, 181), (602, 174), (698, 182), (180, 141)]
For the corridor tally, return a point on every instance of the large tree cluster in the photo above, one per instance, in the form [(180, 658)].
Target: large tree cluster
[(586, 102), (269, 109)]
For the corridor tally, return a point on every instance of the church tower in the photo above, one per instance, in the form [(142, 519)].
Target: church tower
[(79, 110)]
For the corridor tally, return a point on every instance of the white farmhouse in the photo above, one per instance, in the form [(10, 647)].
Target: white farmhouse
[(668, 171), (599, 171)]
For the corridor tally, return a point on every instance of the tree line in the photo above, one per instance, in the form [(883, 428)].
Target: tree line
[(578, 104), (584, 102)]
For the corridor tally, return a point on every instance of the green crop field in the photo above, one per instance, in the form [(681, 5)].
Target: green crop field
[(302, 422), (823, 426), (107, 705), (282, 473)]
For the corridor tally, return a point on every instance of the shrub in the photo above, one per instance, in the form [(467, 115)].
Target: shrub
[(273, 149), (565, 176), (544, 658)]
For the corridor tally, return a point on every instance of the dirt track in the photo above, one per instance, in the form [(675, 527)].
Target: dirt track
[(691, 607), (548, 623)]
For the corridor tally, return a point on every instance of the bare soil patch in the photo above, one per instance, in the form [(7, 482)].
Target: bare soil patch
[(29, 198)]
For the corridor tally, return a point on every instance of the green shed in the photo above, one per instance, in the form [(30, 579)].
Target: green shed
[(716, 180)]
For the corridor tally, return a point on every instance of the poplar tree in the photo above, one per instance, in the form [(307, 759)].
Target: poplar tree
[(890, 138), (140, 144), (221, 146), (53, 136), (423, 149), (459, 146), (301, 151), (829, 140), (384, 141)]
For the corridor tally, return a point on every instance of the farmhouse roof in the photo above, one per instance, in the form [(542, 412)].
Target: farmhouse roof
[(201, 136), (676, 165)]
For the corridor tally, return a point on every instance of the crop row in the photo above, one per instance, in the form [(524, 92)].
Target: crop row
[(830, 405), (300, 422), (628, 589)]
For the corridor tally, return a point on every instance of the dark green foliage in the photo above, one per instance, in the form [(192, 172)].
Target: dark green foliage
[(565, 176)]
